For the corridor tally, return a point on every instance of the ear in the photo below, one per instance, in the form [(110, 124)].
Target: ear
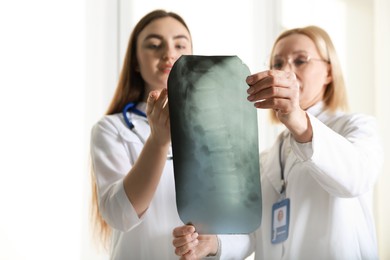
[(329, 77)]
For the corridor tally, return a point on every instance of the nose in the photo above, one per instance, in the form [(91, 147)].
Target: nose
[(169, 53), (288, 65)]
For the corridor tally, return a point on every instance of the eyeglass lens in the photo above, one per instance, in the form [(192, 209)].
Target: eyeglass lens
[(297, 61)]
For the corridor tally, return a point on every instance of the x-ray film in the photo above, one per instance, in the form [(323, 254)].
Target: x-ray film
[(215, 145)]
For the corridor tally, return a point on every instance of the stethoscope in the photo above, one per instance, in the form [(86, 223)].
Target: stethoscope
[(132, 108)]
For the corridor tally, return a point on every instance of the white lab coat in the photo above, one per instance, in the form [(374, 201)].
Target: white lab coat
[(330, 183), (114, 149)]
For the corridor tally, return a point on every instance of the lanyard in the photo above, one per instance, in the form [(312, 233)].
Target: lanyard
[(283, 182), (281, 209)]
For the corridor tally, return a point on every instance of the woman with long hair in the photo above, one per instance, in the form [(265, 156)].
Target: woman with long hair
[(134, 206)]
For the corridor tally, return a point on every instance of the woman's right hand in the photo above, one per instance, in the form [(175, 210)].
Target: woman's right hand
[(158, 116), (190, 245)]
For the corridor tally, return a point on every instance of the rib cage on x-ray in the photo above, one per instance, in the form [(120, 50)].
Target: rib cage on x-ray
[(215, 145)]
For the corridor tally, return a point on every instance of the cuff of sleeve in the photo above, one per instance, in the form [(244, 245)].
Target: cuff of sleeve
[(130, 217), (304, 151), (218, 255)]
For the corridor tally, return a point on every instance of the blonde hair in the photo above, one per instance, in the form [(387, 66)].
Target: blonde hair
[(130, 88), (335, 96)]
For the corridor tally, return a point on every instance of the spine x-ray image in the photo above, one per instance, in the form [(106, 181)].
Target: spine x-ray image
[(215, 145)]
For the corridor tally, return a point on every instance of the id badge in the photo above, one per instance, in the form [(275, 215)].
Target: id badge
[(280, 221)]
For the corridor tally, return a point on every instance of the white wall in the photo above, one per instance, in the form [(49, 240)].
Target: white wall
[(42, 91), (381, 89)]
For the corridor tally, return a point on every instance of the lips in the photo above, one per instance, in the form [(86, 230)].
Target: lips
[(166, 68)]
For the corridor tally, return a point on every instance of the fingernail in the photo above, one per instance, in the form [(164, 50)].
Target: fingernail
[(249, 80)]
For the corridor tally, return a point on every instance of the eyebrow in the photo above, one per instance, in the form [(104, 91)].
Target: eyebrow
[(294, 52), (180, 36)]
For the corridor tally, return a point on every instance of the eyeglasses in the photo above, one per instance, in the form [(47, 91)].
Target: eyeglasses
[(297, 60)]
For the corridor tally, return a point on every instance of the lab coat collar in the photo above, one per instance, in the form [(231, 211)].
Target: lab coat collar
[(317, 109), (141, 106)]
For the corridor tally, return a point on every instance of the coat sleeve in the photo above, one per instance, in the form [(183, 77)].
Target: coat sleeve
[(236, 247), (110, 163), (345, 158)]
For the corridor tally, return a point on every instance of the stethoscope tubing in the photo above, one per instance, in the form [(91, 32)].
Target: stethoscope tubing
[(132, 107)]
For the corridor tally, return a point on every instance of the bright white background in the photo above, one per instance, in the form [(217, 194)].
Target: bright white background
[(59, 63)]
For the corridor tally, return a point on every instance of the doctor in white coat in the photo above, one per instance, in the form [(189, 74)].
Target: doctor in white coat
[(318, 177), (133, 184)]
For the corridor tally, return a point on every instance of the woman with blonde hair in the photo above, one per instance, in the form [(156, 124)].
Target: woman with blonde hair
[(322, 169)]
